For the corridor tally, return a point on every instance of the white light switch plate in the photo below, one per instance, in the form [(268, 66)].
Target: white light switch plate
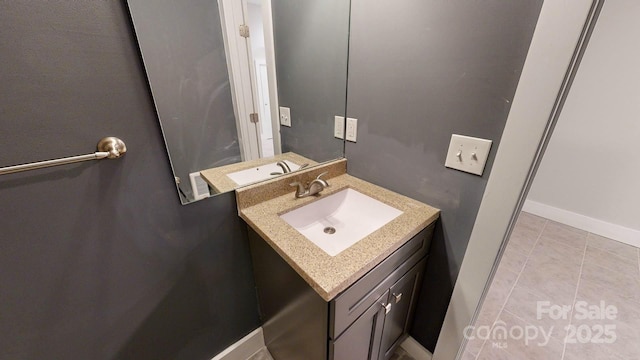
[(468, 154), (285, 116), (352, 129), (338, 128)]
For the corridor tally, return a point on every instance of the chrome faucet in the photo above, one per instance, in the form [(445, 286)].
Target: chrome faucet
[(286, 169), (284, 166), (315, 187)]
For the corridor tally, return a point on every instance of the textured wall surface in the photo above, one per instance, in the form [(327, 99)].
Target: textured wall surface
[(311, 45), (183, 52), (420, 71), (99, 260)]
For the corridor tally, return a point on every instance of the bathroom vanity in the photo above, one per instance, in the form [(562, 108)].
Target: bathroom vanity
[(356, 304)]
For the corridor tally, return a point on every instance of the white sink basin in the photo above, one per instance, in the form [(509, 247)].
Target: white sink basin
[(259, 173), (351, 214)]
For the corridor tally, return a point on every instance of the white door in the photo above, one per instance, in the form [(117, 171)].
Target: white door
[(233, 16), (250, 84), (264, 110)]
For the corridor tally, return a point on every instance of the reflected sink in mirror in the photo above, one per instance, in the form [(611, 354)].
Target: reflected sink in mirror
[(259, 173), (337, 221), (192, 54)]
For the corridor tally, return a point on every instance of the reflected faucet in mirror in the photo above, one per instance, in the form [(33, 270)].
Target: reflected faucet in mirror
[(286, 169), (214, 87), (226, 178)]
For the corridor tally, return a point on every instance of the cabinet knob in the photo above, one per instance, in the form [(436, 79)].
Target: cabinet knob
[(398, 297), (387, 307)]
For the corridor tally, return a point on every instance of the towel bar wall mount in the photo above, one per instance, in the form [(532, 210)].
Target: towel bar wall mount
[(107, 148)]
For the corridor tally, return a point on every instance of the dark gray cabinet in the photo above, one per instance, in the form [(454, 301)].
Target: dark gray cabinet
[(384, 325), (402, 298), (362, 339), (366, 321)]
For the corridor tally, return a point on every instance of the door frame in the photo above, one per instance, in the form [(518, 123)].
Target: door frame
[(558, 43)]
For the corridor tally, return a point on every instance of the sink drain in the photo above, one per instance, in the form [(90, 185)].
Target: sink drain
[(329, 230)]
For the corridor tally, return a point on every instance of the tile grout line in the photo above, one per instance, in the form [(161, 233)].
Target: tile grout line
[(575, 296), (611, 252), (515, 282), (621, 258), (544, 227), (621, 273), (527, 322)]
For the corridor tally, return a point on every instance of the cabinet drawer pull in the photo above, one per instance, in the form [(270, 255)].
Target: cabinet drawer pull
[(398, 297), (387, 307)]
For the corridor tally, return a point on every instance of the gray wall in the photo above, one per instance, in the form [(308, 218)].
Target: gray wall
[(183, 52), (99, 260), (420, 71), (311, 45)]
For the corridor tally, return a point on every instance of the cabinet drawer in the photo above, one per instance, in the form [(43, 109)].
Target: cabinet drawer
[(354, 301)]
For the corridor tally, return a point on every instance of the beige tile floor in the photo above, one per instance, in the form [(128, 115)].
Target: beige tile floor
[(547, 265)]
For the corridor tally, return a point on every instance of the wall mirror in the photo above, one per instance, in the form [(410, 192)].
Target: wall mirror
[(220, 72)]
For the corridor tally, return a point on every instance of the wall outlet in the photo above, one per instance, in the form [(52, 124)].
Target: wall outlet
[(352, 129), (468, 154), (199, 187), (338, 129), (285, 116)]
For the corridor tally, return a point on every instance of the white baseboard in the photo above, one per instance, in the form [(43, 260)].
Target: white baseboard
[(243, 348), (612, 231), (417, 351)]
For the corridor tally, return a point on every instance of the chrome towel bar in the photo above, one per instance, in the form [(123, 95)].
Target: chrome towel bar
[(109, 148)]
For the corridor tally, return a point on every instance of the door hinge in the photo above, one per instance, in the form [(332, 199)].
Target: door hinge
[(244, 31), (253, 117)]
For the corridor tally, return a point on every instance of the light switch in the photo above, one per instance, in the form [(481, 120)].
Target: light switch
[(468, 154), (338, 128), (352, 129), (285, 116)]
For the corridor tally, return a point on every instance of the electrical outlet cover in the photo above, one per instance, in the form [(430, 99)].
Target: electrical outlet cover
[(338, 128), (199, 187), (352, 129), (285, 116), (468, 154)]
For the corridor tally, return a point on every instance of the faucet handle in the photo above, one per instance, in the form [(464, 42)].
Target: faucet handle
[(300, 191), (319, 179)]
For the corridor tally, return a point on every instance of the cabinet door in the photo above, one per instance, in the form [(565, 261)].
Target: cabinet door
[(402, 297), (361, 341)]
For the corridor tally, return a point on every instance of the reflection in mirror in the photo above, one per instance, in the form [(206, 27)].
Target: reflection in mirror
[(311, 46), (211, 68)]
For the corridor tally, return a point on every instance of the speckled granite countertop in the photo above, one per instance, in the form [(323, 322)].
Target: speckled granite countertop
[(220, 182), (330, 275)]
